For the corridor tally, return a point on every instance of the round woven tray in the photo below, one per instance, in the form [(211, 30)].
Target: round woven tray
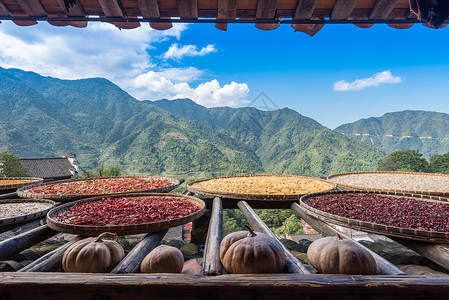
[(29, 217), (23, 192), (408, 233), (260, 197), (32, 180), (124, 229), (384, 188)]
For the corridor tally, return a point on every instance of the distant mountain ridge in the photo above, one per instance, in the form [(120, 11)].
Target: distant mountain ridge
[(424, 131), (94, 118)]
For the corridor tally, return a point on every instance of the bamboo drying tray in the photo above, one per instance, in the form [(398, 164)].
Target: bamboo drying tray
[(24, 191), (401, 232), (28, 217), (370, 186), (246, 196), (28, 180), (124, 229)]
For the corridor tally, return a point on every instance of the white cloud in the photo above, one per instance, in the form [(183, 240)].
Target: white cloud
[(176, 52), (359, 84), (154, 85), (101, 50)]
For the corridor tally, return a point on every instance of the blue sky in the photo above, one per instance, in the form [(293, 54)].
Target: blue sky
[(340, 75)]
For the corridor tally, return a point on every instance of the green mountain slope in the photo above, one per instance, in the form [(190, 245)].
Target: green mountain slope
[(418, 130), (285, 141), (101, 123)]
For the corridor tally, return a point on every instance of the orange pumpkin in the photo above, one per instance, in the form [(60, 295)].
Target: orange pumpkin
[(163, 259), (93, 255)]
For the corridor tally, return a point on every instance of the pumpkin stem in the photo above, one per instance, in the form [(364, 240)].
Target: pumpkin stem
[(251, 232), (339, 237), (111, 235)]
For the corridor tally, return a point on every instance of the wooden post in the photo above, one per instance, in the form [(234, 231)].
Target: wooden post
[(131, 262), (437, 253), (211, 260), (292, 265), (25, 240), (50, 261), (384, 267)]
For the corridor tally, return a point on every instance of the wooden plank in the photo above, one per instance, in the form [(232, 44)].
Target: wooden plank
[(150, 9), (292, 265), (17, 225), (50, 261), (4, 11), (266, 9), (188, 9), (25, 240), (343, 9), (438, 253), (384, 267), (304, 9), (131, 262), (32, 8), (74, 11), (211, 259), (382, 9), (111, 8), (245, 286), (227, 10)]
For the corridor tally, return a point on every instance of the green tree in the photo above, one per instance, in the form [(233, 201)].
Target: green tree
[(103, 171), (440, 163), (404, 160), (292, 225), (10, 166)]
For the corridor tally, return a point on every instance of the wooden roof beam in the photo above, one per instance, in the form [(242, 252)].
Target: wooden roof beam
[(227, 10), (382, 9), (150, 9), (188, 9), (73, 11), (343, 9), (4, 11), (33, 8), (111, 8), (266, 10), (304, 9)]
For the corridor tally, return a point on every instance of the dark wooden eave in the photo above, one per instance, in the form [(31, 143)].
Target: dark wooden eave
[(305, 15)]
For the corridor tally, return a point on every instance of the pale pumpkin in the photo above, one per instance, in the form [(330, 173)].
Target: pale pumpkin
[(93, 255), (334, 255), (163, 259), (249, 252)]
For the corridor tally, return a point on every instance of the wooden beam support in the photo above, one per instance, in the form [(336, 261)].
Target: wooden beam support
[(227, 10), (384, 267), (437, 253), (292, 265), (304, 9), (50, 261), (131, 262), (4, 11), (188, 9), (150, 9), (25, 240), (111, 8), (211, 259), (343, 9), (32, 8), (233, 286), (74, 11), (382, 9), (266, 9)]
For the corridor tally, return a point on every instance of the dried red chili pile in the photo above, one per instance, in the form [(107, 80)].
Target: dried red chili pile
[(386, 210), (127, 211), (101, 186)]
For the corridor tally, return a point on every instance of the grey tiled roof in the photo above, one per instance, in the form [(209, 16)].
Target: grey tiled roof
[(45, 168)]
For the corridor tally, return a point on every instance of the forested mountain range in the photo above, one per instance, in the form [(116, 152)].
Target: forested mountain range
[(424, 131), (94, 118)]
